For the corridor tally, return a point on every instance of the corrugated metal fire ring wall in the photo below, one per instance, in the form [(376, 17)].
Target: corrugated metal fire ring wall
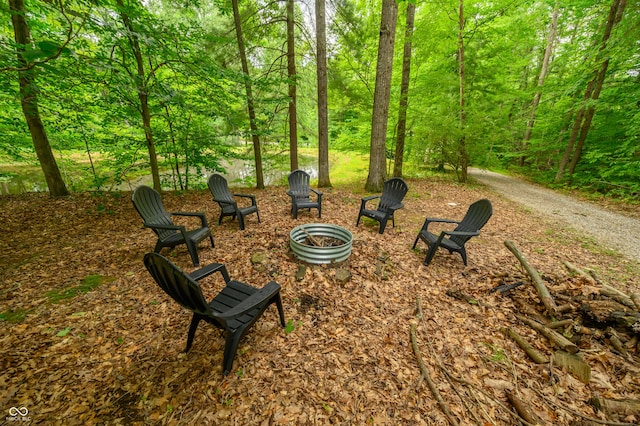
[(318, 255)]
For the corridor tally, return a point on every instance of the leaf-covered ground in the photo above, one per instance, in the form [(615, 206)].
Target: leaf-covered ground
[(88, 337)]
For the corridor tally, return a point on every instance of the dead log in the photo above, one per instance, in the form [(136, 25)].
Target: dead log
[(566, 308), (542, 289), (527, 309), (560, 324), (605, 313), (535, 355), (617, 295), (625, 407), (522, 409), (615, 341), (572, 268), (556, 338), (636, 300)]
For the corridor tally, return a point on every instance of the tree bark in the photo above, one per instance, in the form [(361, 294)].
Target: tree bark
[(382, 92), (404, 91), (535, 355), (463, 155), (143, 93), (323, 115), (553, 336), (551, 37), (542, 289), (257, 152), (29, 102), (582, 123), (291, 72)]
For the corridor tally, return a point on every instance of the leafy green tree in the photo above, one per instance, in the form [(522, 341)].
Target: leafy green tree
[(377, 156), (28, 60)]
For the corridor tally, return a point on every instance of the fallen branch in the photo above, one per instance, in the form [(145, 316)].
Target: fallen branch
[(427, 376), (636, 299), (618, 406), (311, 238), (572, 268), (521, 408), (557, 405), (425, 373), (542, 289), (493, 398), (560, 324), (537, 356), (617, 295), (555, 337), (457, 294)]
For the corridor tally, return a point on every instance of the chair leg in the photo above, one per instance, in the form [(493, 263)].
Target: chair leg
[(383, 225), (359, 216), (212, 243), (193, 251), (241, 221), (430, 253), (258, 213), (415, 242), (320, 210), (280, 309), (463, 253), (192, 330), (230, 348), (220, 218)]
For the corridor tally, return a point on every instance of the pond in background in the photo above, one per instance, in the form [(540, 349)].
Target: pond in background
[(238, 173)]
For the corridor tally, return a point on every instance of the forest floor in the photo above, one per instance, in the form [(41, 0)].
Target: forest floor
[(88, 337)]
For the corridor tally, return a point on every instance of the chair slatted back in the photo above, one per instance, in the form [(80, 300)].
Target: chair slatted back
[(300, 184), (477, 216), (148, 203), (182, 288), (393, 192), (219, 188)]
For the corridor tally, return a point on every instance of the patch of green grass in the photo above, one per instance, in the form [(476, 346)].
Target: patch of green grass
[(13, 316), (348, 168), (90, 282), (497, 354), (291, 326)]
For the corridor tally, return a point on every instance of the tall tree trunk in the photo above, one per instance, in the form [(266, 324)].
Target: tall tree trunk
[(250, 105), (29, 102), (582, 123), (382, 92), (463, 155), (323, 116), (404, 91), (615, 16), (143, 94), (551, 37), (291, 71)]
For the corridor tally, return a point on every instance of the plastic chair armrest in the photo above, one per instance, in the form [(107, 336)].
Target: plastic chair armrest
[(203, 218), (205, 271)]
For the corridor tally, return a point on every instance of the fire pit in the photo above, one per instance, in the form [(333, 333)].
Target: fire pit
[(320, 243)]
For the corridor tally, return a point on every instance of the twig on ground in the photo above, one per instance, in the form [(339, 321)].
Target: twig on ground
[(425, 373), (557, 405)]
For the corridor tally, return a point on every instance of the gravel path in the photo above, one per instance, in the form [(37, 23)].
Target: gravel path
[(611, 230)]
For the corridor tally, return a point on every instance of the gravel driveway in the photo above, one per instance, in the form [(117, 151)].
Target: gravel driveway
[(611, 230)]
